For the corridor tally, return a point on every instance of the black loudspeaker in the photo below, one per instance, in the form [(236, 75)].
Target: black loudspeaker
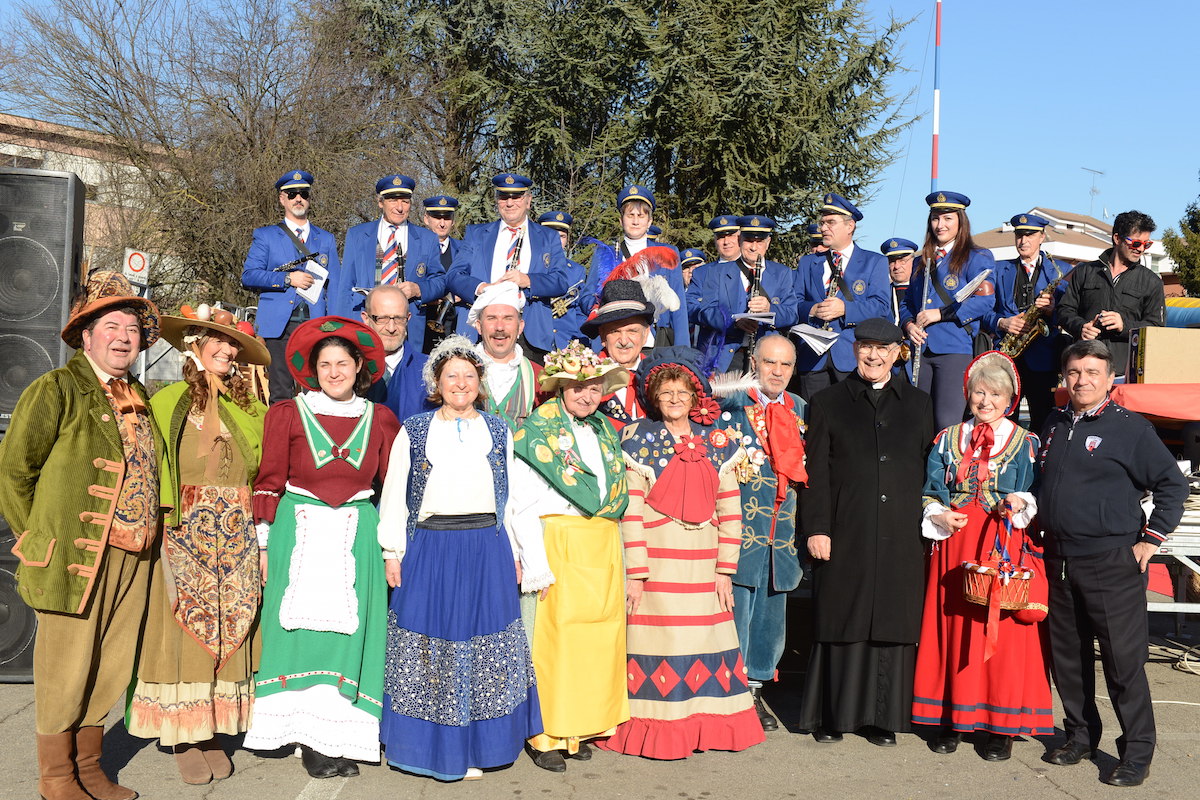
[(41, 243), (18, 623)]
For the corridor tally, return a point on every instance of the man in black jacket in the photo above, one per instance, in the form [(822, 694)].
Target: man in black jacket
[(1097, 461), (867, 441), (1107, 298)]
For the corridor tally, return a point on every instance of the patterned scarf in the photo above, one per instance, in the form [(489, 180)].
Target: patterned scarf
[(546, 443)]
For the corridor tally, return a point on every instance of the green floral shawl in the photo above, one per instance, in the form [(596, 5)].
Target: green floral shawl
[(545, 442)]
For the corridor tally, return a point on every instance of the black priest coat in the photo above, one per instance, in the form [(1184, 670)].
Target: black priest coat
[(866, 470)]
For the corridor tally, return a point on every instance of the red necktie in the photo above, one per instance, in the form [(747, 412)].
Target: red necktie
[(785, 448)]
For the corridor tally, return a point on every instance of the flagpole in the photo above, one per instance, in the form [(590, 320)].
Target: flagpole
[(937, 97)]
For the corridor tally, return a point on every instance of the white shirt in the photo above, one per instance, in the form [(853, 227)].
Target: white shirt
[(635, 246), (826, 272), (460, 479), (385, 228), (500, 252), (393, 360), (299, 230), (500, 376), (534, 498)]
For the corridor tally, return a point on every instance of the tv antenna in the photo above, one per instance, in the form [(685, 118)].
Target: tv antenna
[(1093, 191)]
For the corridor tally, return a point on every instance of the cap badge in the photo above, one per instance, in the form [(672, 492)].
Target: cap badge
[(509, 180), (296, 176), (941, 198)]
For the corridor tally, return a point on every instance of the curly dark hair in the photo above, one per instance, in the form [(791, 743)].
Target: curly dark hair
[(239, 386), (660, 376), (435, 396), (362, 381)]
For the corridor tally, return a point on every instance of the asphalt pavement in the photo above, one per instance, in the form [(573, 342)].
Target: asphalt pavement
[(788, 765)]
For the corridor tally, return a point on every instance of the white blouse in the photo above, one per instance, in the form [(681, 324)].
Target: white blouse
[(460, 479), (534, 498)]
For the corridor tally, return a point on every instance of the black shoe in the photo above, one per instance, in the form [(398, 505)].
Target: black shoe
[(826, 737), (947, 743), (347, 768), (998, 747), (318, 765), (584, 754), (880, 737), (1070, 753), (768, 722), (551, 760), (1128, 773)]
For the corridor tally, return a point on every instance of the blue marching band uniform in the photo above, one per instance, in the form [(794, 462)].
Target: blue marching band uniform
[(541, 258)]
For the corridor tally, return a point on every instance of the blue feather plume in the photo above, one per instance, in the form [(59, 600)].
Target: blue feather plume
[(604, 260)]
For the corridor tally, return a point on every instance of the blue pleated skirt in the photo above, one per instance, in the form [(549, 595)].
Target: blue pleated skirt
[(459, 686)]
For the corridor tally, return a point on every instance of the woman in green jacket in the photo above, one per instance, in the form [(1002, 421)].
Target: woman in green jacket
[(200, 644)]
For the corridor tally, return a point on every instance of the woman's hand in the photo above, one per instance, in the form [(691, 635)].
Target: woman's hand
[(915, 334), (819, 546), (950, 520), (633, 594), (262, 564), (929, 316), (1015, 504), (391, 571), (725, 592), (542, 594)]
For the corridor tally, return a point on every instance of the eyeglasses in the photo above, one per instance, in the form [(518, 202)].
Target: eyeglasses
[(393, 320), (682, 394), (292, 194), (1137, 244)]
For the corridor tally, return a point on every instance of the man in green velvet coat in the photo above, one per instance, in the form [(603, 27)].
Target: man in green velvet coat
[(79, 471)]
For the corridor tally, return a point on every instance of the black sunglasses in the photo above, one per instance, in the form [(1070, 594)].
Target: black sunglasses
[(292, 194)]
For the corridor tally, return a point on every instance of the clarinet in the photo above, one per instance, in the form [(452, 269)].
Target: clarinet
[(755, 291), (515, 261), (835, 274), (916, 348)]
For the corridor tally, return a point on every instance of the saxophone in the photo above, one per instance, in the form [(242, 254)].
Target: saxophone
[(1013, 344)]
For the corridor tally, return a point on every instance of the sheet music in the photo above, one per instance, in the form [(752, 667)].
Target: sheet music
[(818, 339), (313, 293)]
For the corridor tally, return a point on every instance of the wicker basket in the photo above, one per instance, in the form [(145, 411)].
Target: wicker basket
[(978, 580)]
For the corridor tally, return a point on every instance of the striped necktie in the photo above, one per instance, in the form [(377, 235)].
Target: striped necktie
[(391, 264)]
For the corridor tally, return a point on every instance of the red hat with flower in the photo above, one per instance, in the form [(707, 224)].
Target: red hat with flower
[(705, 411)]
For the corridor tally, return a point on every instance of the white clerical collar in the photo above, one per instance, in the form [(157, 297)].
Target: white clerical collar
[(321, 403)]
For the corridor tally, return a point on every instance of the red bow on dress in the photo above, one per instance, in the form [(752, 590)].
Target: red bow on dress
[(687, 487), (982, 439)]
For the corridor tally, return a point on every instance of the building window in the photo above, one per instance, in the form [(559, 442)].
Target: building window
[(21, 162)]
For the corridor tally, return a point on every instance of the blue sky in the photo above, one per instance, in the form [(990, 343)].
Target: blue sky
[(1031, 94)]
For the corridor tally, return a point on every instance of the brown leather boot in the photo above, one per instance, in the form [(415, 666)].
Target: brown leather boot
[(89, 743), (57, 780), (192, 766), (218, 762)]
